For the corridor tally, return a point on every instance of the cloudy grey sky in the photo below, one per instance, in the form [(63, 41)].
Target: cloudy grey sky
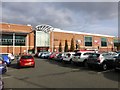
[(89, 17)]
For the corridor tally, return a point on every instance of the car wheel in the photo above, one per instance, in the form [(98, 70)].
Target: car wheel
[(116, 70), (90, 66), (18, 66), (1, 85), (104, 66), (8, 65), (33, 66), (4, 71), (63, 62), (70, 61), (85, 64)]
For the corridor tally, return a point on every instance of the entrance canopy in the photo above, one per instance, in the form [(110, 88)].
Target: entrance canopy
[(43, 27), (42, 37)]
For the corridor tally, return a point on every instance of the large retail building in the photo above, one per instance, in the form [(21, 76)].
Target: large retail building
[(17, 39)]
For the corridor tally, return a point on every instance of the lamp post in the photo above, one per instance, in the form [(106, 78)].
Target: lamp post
[(27, 43)]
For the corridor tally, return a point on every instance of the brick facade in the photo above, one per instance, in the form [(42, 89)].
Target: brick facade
[(55, 38), (62, 36), (7, 28)]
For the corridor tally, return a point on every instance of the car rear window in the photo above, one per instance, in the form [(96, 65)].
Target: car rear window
[(87, 53), (68, 54), (59, 54), (96, 55), (26, 57), (105, 54), (77, 54)]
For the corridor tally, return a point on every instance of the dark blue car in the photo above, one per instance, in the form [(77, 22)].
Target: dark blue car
[(6, 59)]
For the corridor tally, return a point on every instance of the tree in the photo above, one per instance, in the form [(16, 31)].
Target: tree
[(72, 45), (66, 46), (60, 47)]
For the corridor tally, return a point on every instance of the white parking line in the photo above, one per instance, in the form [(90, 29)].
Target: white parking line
[(75, 69), (7, 77), (11, 70), (104, 71)]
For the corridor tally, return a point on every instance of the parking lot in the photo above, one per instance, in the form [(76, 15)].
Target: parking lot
[(53, 74)]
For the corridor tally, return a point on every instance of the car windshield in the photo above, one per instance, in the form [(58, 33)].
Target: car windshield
[(60, 54), (26, 57), (105, 54), (5, 54), (96, 55)]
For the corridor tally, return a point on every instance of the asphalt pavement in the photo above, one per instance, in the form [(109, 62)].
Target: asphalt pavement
[(53, 74)]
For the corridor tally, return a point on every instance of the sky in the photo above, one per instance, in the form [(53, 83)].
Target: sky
[(89, 17)]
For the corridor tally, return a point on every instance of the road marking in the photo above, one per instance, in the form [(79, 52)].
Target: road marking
[(104, 71), (11, 70), (75, 69), (7, 77)]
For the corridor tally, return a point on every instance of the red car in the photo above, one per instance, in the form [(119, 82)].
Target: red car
[(26, 60), (53, 55)]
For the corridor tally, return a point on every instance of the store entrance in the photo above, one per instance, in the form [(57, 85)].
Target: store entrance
[(42, 49)]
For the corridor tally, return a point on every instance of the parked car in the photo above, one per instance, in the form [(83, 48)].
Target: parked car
[(3, 66), (11, 56), (81, 57), (102, 60), (39, 54), (60, 56), (52, 55), (117, 62), (45, 55), (25, 61), (68, 57), (6, 59), (56, 56)]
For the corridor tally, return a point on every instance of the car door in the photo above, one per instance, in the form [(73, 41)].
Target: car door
[(93, 58), (84, 56), (109, 60), (76, 57), (117, 61)]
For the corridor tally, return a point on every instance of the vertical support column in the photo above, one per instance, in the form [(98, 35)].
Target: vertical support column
[(52, 40), (113, 48), (35, 42), (13, 43), (27, 39)]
